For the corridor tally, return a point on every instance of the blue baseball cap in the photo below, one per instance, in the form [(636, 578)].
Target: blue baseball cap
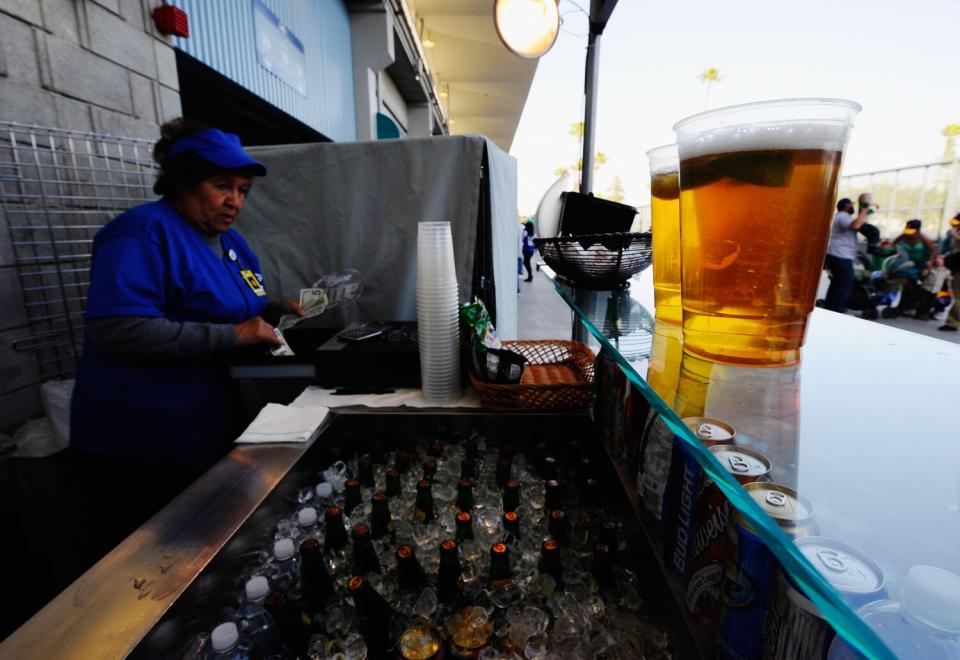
[(217, 148)]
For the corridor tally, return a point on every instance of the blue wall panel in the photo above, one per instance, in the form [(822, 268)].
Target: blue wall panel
[(222, 37)]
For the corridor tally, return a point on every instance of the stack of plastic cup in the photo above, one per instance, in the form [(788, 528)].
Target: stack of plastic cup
[(438, 304)]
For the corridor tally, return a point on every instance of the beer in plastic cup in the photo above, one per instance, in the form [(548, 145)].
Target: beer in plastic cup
[(757, 191), (665, 227)]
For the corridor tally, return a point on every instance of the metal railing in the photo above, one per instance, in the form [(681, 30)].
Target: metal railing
[(929, 192), (57, 188)]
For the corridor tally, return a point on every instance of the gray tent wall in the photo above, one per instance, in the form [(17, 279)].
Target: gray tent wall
[(328, 207)]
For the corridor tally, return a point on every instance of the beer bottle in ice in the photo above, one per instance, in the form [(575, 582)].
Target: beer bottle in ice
[(394, 488), (464, 527), (511, 495), (316, 585), (550, 561), (365, 470), (335, 535), (465, 495), (410, 574), (352, 497), (381, 523), (423, 506), (375, 615), (449, 580), (500, 571), (364, 555), (511, 526)]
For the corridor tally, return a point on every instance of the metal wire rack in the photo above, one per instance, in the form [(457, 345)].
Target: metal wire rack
[(57, 188)]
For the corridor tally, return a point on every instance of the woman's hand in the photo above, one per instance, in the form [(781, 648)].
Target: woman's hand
[(290, 307), (255, 331)]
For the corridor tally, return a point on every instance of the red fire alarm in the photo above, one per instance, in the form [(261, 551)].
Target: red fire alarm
[(171, 20)]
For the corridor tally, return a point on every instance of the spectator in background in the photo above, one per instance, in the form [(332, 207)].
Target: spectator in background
[(528, 249), (842, 251), (917, 247), (952, 262)]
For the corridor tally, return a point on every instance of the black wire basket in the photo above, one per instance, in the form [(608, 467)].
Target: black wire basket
[(597, 261)]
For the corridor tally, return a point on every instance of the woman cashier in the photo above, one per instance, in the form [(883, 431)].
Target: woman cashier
[(173, 287)]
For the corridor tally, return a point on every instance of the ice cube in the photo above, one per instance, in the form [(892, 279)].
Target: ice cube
[(426, 603), (537, 647)]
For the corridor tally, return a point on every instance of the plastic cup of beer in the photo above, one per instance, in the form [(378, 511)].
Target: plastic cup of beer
[(758, 186), (665, 228)]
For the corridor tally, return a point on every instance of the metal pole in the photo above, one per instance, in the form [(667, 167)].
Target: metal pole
[(590, 106)]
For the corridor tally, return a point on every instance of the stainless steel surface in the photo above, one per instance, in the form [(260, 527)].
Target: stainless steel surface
[(109, 609)]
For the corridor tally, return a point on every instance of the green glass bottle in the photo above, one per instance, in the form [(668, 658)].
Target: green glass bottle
[(500, 571), (381, 522), (449, 580), (465, 499), (423, 506), (364, 555), (335, 533), (464, 527), (468, 468)]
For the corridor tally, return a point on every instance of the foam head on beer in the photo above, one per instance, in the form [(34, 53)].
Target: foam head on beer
[(757, 190)]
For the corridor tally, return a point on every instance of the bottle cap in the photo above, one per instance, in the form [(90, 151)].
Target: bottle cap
[(932, 595), (283, 549), (224, 637), (325, 489), (307, 516), (257, 587)]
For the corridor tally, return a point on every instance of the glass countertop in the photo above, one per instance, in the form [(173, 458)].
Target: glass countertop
[(864, 428)]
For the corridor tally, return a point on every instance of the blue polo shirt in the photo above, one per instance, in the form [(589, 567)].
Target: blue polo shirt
[(151, 262)]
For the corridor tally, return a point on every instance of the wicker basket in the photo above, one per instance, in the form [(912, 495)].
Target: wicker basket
[(558, 376)]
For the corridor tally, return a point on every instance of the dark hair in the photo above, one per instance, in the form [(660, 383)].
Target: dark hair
[(185, 170), (528, 225)]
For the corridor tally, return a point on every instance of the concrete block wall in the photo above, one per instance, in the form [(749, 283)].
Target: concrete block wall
[(87, 65)]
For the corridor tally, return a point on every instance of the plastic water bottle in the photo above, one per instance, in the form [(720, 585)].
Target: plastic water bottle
[(226, 643), (924, 624), (307, 522), (285, 569), (255, 622)]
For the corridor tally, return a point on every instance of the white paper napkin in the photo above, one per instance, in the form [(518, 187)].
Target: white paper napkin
[(316, 396), (277, 423)]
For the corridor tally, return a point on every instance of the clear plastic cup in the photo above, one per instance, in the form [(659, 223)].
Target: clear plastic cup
[(758, 185)]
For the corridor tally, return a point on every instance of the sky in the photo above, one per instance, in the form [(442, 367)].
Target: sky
[(900, 60)]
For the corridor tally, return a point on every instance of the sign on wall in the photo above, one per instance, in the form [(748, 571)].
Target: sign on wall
[(278, 50)]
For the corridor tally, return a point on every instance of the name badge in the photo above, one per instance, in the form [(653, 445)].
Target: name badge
[(253, 282)]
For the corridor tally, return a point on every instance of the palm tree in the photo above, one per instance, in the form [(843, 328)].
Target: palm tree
[(709, 76)]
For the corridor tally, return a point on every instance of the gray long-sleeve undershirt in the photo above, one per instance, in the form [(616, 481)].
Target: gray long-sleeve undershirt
[(158, 338), (149, 337)]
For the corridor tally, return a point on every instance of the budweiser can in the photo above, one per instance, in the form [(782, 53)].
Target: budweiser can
[(791, 511), (685, 494), (710, 540), (794, 628)]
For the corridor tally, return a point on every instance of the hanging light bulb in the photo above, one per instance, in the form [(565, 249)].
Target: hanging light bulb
[(527, 28)]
